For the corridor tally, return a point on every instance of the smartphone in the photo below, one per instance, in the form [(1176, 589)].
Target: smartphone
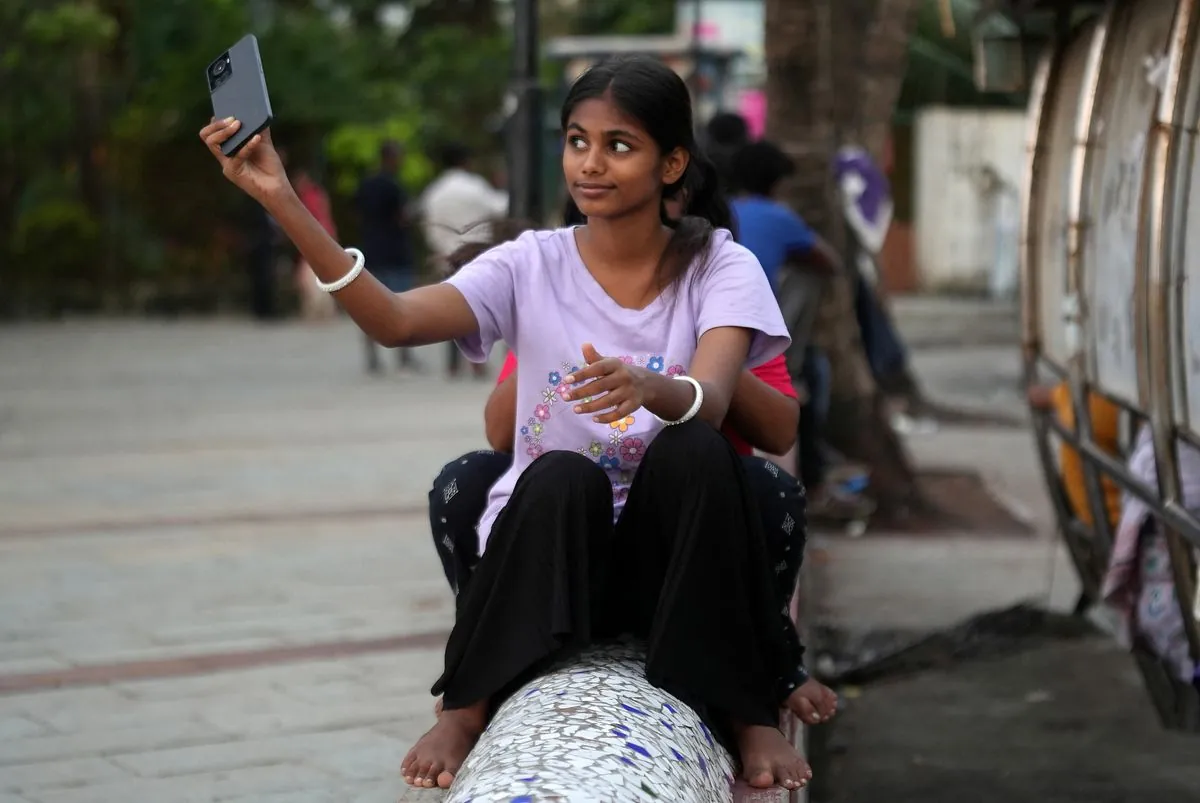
[(238, 89)]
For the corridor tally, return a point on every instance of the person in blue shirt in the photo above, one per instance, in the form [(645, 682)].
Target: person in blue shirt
[(768, 227), (796, 260)]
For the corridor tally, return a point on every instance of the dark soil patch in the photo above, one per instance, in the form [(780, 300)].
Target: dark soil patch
[(955, 502)]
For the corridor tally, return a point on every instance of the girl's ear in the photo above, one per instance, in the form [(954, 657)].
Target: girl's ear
[(675, 164)]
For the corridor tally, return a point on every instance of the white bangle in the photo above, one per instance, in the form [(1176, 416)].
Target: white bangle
[(697, 402), (359, 263)]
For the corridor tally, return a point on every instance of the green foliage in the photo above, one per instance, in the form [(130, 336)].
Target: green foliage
[(59, 235), (625, 17), (353, 151), (70, 25), (102, 178), (101, 174), (458, 78)]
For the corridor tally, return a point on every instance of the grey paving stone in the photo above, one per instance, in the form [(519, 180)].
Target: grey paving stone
[(20, 727), (251, 782), (30, 665), (242, 753), (374, 759), (298, 717), (71, 772), (106, 742), (44, 706), (222, 684)]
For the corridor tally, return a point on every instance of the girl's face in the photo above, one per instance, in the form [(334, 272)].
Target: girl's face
[(612, 166)]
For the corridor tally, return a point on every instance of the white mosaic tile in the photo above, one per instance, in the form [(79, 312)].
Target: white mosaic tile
[(595, 729)]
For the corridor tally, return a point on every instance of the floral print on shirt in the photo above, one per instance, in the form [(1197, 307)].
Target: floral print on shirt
[(620, 451)]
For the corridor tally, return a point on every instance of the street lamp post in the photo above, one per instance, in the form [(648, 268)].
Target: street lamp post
[(525, 123)]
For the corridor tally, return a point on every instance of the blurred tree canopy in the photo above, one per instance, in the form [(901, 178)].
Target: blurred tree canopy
[(105, 189)]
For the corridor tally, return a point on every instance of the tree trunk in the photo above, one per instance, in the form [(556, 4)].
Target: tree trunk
[(834, 71)]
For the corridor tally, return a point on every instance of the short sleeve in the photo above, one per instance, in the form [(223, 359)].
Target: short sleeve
[(488, 283), (774, 373), (733, 290), (797, 237)]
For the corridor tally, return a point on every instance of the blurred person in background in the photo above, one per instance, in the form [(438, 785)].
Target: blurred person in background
[(383, 210), (458, 208), (796, 261), (261, 239), (726, 134), (315, 304)]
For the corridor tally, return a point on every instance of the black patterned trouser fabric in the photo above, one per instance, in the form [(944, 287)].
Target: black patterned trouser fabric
[(459, 496)]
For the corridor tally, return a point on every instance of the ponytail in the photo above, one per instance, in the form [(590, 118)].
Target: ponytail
[(705, 209)]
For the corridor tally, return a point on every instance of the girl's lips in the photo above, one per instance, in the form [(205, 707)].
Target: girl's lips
[(593, 190)]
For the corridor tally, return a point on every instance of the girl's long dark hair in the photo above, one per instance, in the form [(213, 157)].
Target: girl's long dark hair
[(653, 94)]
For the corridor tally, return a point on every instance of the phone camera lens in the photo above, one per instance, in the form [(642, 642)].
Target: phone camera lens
[(219, 68)]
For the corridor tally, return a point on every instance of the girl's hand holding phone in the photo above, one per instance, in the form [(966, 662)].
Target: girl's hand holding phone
[(256, 169)]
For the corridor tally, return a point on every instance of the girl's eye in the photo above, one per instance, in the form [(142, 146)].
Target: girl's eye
[(577, 143), (621, 147)]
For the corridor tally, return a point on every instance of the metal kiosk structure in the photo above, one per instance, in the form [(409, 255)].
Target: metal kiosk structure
[(1107, 305)]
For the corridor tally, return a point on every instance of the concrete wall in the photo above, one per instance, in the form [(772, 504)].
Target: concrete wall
[(967, 172)]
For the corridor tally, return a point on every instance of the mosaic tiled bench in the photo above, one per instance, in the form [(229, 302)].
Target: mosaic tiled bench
[(594, 729)]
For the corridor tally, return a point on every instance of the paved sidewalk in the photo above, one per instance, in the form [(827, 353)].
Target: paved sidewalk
[(217, 490), (213, 540)]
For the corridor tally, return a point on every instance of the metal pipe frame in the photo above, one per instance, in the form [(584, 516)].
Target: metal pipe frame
[(1158, 322), (1159, 212), (1096, 67), (1042, 97)]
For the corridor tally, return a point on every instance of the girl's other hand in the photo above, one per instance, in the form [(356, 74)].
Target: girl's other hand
[(611, 388)]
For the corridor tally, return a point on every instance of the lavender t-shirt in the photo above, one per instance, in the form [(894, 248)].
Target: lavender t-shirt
[(536, 294)]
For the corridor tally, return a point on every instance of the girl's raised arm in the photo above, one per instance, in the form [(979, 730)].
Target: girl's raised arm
[(425, 315)]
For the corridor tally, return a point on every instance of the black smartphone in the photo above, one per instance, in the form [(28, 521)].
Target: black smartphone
[(238, 88)]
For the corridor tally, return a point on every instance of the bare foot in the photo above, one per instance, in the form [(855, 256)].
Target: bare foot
[(437, 756), (813, 702), (768, 758)]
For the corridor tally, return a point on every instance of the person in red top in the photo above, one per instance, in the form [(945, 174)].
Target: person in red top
[(314, 303)]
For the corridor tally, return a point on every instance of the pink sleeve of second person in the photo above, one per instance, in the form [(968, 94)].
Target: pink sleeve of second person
[(774, 373), (508, 369)]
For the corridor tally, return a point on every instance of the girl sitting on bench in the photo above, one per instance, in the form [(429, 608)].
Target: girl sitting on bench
[(625, 511)]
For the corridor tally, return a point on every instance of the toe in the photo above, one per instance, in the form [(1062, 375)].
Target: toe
[(831, 702), (445, 778), (760, 777), (807, 711), (409, 772)]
